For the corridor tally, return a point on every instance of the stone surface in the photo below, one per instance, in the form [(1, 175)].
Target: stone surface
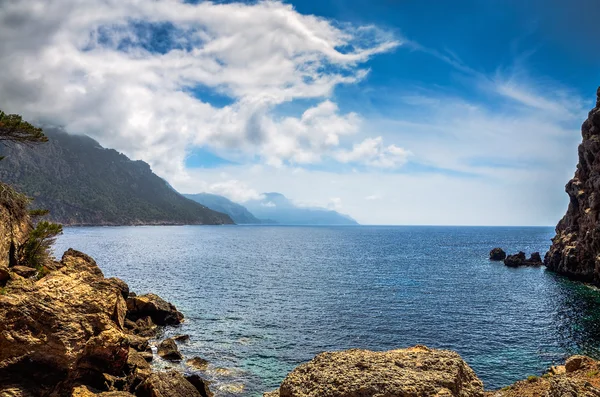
[(200, 384), (181, 338), (497, 254), (575, 363), (416, 371), (520, 259), (575, 250), (197, 363), (169, 351), (160, 311), (167, 384), (24, 271), (14, 229), (4, 273)]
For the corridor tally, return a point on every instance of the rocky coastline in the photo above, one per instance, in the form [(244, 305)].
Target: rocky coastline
[(67, 330)]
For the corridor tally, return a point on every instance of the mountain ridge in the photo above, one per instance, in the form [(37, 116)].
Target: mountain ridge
[(85, 184)]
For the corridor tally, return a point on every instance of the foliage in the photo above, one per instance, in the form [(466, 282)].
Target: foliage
[(38, 212), (36, 250), (532, 378), (14, 129), (15, 202)]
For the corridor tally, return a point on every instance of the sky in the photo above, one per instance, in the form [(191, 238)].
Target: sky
[(392, 111)]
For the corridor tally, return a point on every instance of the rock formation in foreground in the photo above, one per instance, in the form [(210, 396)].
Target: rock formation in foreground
[(423, 372), (66, 330), (575, 250), (416, 371)]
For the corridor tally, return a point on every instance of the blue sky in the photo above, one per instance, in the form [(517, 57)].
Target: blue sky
[(395, 112)]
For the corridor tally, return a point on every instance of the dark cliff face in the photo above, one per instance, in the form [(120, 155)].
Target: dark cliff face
[(575, 250), (82, 183)]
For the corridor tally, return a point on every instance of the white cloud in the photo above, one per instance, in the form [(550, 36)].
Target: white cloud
[(372, 152), (91, 66)]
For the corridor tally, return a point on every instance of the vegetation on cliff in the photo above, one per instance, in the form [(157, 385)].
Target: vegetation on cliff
[(82, 183)]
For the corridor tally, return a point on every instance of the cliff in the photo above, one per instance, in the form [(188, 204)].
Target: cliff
[(82, 183), (575, 250)]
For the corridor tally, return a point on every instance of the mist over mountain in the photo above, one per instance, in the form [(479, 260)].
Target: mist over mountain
[(82, 183), (237, 212), (278, 208)]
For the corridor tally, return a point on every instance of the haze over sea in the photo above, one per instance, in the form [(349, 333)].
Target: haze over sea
[(259, 300)]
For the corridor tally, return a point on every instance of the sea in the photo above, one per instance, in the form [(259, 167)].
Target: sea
[(259, 300)]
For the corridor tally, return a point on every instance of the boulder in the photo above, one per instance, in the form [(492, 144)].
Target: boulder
[(515, 260), (181, 338), (169, 351), (497, 254), (143, 327), (519, 259), (200, 384), (4, 273), (85, 391), (563, 387), (197, 363), (24, 271), (417, 371), (575, 363), (167, 384), (160, 311)]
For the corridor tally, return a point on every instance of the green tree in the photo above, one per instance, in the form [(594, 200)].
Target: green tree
[(36, 250), (14, 130)]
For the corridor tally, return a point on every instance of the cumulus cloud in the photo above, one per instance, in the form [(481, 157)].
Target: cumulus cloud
[(372, 152), (133, 74)]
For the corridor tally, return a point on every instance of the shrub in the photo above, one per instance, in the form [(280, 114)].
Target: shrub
[(36, 250), (532, 378)]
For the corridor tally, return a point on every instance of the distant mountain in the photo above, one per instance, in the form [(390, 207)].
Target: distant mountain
[(276, 207), (82, 183), (237, 212)]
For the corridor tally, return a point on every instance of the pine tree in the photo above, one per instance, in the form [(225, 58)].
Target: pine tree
[(14, 130)]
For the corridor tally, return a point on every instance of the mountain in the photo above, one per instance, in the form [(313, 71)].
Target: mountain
[(237, 212), (276, 207), (82, 183)]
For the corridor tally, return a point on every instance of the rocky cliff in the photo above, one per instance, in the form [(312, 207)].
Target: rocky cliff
[(575, 250)]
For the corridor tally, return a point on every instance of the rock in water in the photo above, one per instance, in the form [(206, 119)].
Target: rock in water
[(417, 371), (160, 311), (167, 384), (497, 254), (575, 250), (169, 351), (515, 260)]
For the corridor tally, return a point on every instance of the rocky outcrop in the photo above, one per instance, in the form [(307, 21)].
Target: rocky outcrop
[(14, 224), (64, 334), (416, 371), (575, 250), (497, 254), (157, 309), (520, 259), (579, 377)]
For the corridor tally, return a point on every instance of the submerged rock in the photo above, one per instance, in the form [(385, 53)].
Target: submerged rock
[(416, 371), (197, 363), (169, 351), (575, 250), (497, 254)]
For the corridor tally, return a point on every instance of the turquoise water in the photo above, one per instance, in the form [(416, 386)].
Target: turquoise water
[(259, 300)]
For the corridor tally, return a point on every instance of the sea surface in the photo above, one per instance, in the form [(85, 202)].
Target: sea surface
[(259, 300)]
